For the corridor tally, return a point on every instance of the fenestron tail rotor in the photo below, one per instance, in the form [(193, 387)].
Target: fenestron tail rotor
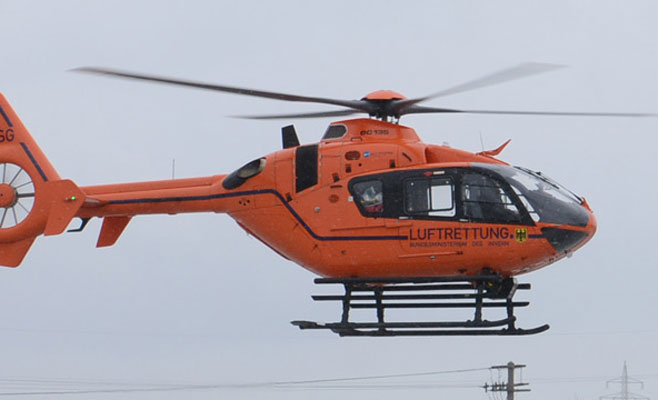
[(16, 195), (384, 105)]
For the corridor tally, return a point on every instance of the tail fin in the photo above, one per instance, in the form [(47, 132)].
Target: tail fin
[(33, 198)]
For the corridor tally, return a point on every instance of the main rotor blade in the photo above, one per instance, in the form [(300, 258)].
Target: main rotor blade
[(339, 113), (506, 75), (353, 104), (430, 110)]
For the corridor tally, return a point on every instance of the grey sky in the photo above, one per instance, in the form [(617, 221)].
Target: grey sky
[(191, 299)]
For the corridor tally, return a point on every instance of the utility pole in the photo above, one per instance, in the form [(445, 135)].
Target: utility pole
[(510, 387), (625, 394)]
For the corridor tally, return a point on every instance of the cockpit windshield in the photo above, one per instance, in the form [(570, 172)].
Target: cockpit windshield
[(538, 181), (545, 199)]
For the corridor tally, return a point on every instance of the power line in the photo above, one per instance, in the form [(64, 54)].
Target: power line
[(417, 374), (24, 386), (125, 387)]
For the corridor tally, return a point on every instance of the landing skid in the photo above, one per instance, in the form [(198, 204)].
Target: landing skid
[(476, 293)]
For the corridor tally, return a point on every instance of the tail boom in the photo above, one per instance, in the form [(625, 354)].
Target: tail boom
[(118, 203), (34, 200), (155, 197)]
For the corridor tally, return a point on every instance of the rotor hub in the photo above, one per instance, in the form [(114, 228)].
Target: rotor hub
[(384, 95), (8, 195), (17, 195)]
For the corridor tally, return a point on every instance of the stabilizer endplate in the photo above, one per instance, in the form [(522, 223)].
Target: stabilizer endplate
[(111, 230), (12, 254), (66, 199)]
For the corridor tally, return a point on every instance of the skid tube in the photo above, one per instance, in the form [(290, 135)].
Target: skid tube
[(477, 293)]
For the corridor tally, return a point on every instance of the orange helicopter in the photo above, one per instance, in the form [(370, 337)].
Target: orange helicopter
[(401, 224)]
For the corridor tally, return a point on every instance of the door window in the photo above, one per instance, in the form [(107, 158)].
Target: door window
[(430, 196)]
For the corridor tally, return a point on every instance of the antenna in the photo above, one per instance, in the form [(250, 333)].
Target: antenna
[(173, 168)]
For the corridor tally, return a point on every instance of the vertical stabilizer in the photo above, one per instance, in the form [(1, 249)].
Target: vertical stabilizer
[(33, 198)]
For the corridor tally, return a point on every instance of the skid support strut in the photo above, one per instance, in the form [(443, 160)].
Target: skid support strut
[(477, 293)]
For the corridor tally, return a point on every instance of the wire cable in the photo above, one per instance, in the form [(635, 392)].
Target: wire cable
[(348, 383)]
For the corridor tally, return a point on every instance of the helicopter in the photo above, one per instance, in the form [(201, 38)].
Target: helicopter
[(399, 223)]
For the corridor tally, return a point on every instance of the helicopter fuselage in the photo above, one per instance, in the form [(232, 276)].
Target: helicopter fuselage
[(372, 200)]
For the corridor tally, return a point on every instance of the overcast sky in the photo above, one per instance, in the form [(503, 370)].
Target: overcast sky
[(192, 300)]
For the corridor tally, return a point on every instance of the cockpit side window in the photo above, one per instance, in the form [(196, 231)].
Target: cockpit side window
[(370, 196), (460, 193), (430, 196), (485, 199)]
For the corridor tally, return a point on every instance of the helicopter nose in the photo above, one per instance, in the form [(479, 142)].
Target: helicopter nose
[(568, 239), (590, 229)]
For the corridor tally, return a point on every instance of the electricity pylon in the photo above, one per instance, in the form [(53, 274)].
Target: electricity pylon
[(625, 381)]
